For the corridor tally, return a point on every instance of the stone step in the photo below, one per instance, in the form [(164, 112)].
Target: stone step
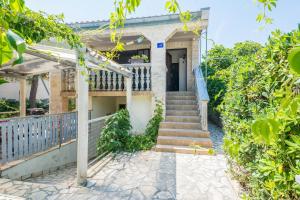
[(181, 93), (182, 113), (181, 102), (180, 125), (181, 98), (182, 107), (184, 141), (183, 133), (181, 149), (195, 119)]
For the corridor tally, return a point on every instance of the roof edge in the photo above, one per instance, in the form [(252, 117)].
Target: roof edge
[(203, 13)]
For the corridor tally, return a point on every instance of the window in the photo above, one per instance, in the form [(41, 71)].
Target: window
[(124, 56)]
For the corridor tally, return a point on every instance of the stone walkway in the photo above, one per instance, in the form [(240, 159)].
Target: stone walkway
[(143, 175)]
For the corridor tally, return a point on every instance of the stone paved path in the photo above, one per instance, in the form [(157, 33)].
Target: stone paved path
[(143, 175)]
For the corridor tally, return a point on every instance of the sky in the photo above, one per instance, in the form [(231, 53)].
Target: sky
[(231, 21)]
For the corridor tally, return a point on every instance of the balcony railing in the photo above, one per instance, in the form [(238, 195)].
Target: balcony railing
[(102, 80)]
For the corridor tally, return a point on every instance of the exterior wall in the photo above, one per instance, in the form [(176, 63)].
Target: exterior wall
[(57, 103), (102, 106), (141, 109), (42, 162), (141, 113)]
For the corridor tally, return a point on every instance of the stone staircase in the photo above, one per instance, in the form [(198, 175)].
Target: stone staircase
[(181, 131)]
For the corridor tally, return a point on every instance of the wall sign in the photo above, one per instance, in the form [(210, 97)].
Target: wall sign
[(160, 45)]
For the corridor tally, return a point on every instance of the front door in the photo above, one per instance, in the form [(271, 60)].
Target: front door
[(175, 61), (174, 77)]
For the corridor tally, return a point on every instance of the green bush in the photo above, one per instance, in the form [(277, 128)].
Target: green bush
[(218, 60), (115, 133), (147, 140), (116, 137), (261, 116)]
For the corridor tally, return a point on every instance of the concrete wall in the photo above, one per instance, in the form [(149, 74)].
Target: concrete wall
[(141, 109), (141, 113), (102, 106), (42, 162)]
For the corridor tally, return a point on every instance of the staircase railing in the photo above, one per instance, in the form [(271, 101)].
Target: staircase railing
[(202, 96)]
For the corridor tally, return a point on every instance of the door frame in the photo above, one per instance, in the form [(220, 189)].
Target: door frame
[(174, 49)]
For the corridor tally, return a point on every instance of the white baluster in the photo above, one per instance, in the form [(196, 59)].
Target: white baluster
[(109, 80), (136, 80), (118, 81), (123, 82), (143, 78), (98, 80), (103, 79), (114, 82), (148, 77)]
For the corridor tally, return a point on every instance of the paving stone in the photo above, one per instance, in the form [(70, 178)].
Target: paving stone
[(141, 175)]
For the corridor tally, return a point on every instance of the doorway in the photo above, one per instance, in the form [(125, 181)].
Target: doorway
[(176, 70)]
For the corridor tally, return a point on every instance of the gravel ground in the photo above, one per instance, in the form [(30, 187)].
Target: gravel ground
[(216, 135)]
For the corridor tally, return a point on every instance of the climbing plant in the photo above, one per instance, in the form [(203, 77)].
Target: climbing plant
[(20, 26)]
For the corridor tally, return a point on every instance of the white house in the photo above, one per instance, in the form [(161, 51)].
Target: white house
[(171, 75)]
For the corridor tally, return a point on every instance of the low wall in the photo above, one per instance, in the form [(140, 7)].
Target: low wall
[(40, 163)]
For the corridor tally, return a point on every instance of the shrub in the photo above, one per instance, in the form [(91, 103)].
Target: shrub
[(116, 137), (260, 114), (147, 140), (115, 133), (219, 60)]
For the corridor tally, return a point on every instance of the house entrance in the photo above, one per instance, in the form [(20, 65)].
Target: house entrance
[(176, 70)]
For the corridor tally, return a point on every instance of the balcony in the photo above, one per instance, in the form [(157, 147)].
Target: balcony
[(105, 82)]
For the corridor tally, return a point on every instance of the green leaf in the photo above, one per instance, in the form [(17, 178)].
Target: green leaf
[(294, 59), (18, 61), (16, 42), (17, 5), (265, 130), (6, 51)]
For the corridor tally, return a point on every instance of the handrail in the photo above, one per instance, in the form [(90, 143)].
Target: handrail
[(200, 84), (36, 116), (100, 118), (137, 65)]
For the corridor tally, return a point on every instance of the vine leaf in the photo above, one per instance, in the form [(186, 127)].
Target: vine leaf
[(294, 59), (265, 130), (16, 42), (6, 52)]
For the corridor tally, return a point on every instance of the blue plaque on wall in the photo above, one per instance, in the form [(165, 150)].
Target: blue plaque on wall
[(160, 45)]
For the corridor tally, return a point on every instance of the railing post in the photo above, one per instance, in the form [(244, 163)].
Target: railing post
[(203, 114), (129, 94)]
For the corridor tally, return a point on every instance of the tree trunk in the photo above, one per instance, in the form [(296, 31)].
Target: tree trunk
[(33, 91)]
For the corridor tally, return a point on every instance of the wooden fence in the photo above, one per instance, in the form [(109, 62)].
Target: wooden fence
[(24, 136)]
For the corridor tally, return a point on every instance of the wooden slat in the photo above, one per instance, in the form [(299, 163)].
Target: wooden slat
[(21, 139), (3, 144), (30, 137), (26, 137), (9, 141), (15, 140), (39, 134)]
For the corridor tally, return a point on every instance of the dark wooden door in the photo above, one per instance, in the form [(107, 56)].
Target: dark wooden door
[(174, 77), (168, 63)]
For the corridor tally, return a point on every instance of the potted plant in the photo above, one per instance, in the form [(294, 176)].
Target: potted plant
[(139, 59)]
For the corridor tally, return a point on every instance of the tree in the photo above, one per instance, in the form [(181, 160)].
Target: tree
[(33, 91)]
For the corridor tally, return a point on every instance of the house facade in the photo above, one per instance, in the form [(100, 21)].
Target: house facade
[(170, 74)]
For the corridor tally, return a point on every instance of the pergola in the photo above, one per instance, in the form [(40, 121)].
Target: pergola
[(43, 59)]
